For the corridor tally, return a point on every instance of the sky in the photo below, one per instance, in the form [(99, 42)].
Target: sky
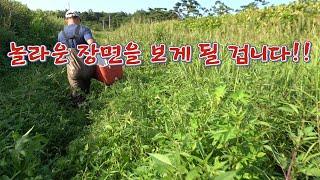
[(128, 6)]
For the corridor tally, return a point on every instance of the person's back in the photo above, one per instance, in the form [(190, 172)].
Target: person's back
[(81, 34)]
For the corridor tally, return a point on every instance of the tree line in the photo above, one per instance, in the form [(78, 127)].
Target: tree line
[(181, 10)]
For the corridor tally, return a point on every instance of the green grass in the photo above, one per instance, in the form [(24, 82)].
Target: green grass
[(174, 121)]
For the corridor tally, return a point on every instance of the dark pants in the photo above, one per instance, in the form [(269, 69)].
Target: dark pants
[(79, 74)]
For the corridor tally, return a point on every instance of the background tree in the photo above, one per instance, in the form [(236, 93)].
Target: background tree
[(220, 8), (253, 5), (187, 8), (162, 14)]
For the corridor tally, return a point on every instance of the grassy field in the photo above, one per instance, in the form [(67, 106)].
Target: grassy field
[(173, 121)]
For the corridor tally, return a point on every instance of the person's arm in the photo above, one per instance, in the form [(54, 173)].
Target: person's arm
[(60, 37), (90, 41), (88, 36)]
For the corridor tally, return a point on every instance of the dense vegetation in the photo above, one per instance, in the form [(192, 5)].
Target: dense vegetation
[(174, 121), (26, 27)]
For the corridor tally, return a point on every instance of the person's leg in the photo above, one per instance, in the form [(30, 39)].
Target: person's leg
[(79, 76), (78, 88), (85, 85)]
